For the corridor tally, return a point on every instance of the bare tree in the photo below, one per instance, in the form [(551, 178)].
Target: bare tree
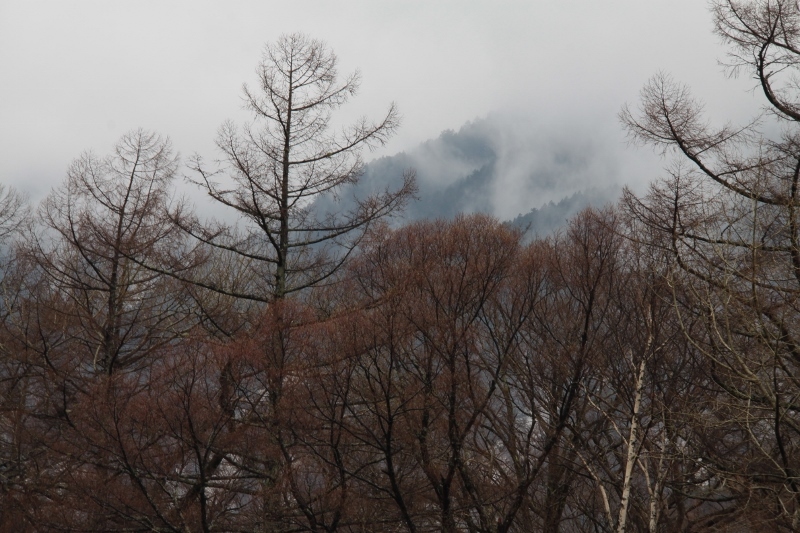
[(728, 217), (96, 230), (277, 166), (15, 447), (13, 211)]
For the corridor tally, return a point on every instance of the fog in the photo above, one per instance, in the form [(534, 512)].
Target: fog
[(550, 78)]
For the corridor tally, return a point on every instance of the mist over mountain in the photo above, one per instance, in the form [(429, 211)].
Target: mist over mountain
[(539, 222), (534, 173)]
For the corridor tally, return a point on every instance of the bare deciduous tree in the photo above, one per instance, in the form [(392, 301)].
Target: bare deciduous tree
[(98, 228), (728, 217), (277, 166)]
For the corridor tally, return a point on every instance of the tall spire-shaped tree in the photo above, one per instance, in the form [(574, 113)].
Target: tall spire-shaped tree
[(275, 167)]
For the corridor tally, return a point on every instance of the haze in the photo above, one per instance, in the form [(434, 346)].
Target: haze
[(76, 76)]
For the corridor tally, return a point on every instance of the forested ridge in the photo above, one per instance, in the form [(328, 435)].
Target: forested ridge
[(319, 365), (476, 168)]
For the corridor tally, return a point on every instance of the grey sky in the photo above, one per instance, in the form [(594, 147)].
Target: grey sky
[(77, 75)]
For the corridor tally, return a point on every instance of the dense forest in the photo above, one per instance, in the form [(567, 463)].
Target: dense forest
[(317, 365), (476, 168)]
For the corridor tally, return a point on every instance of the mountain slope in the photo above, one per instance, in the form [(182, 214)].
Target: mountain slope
[(512, 168)]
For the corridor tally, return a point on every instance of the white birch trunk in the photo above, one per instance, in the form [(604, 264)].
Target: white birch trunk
[(631, 456)]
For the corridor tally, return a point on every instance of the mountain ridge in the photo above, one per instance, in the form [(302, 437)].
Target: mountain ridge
[(508, 167)]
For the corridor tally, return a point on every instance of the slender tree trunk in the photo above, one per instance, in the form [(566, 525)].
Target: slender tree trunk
[(283, 238), (632, 452)]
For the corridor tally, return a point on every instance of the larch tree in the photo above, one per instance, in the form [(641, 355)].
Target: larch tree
[(277, 166), (95, 231), (728, 216), (83, 316)]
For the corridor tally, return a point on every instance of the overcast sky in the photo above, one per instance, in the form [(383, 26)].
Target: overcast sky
[(77, 75)]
